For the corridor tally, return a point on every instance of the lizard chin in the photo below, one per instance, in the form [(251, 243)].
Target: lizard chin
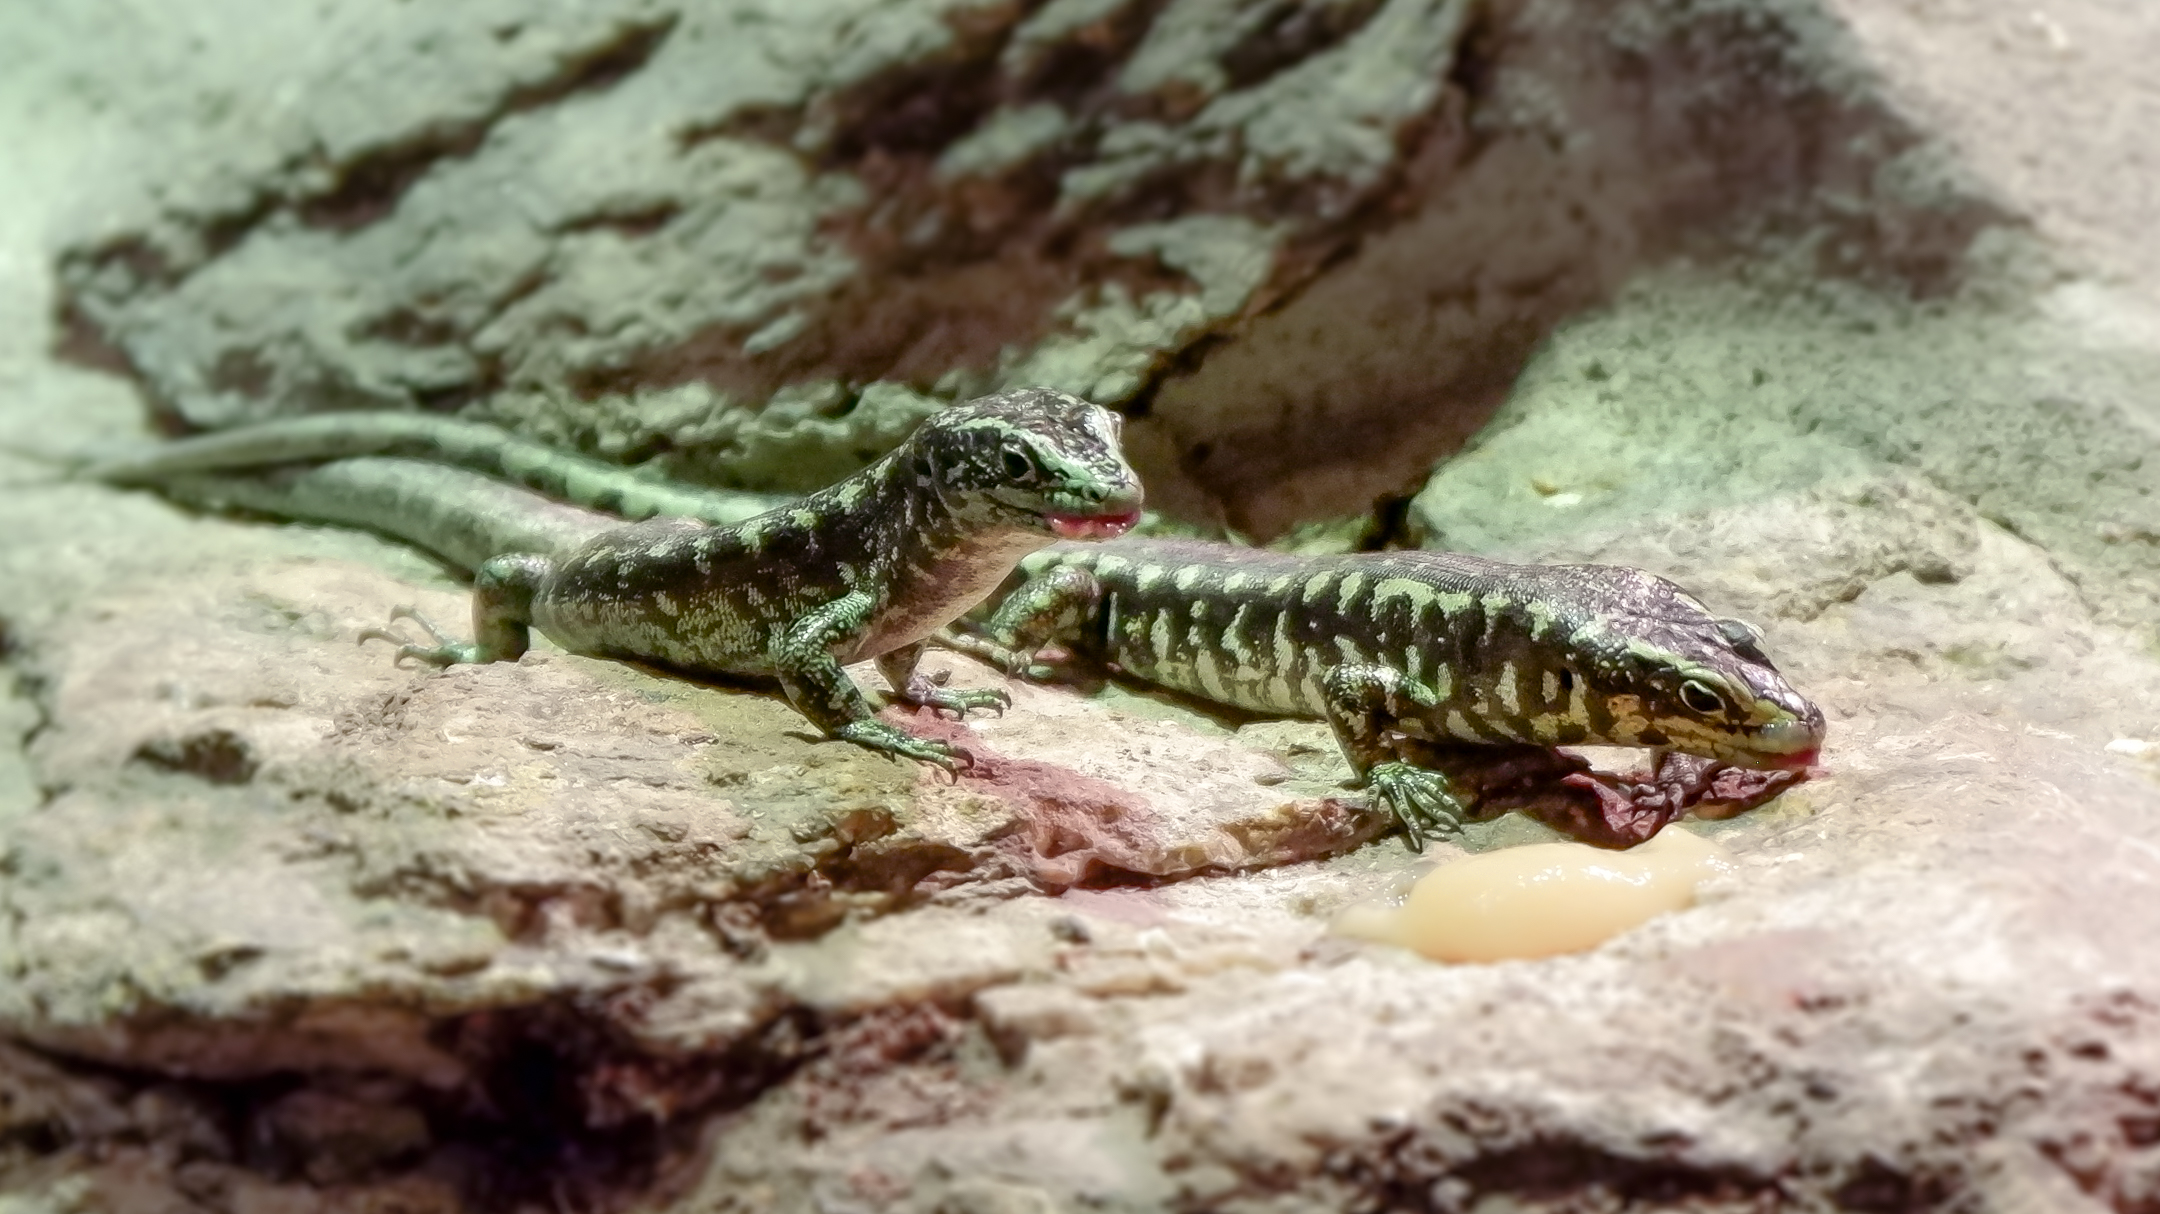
[(1092, 526), (1762, 760), (1797, 761), (1789, 745)]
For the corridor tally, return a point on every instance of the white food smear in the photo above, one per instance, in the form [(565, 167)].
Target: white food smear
[(1539, 900)]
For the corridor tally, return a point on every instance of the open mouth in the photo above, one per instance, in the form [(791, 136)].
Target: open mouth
[(1799, 760), (1791, 745), (1092, 526)]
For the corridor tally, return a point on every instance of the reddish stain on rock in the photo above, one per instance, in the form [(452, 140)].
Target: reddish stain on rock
[(1067, 828)]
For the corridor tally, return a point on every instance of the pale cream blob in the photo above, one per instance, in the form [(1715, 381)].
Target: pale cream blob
[(1539, 900)]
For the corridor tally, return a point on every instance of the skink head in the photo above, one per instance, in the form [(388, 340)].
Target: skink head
[(1033, 459), (1607, 655), (1663, 671)]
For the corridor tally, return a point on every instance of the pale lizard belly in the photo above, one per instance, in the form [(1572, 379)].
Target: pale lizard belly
[(927, 601)]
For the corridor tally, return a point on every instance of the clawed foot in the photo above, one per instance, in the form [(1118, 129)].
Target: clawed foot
[(1016, 663), (1419, 798), (1024, 666), (931, 693), (959, 701), (877, 735), (444, 652), (1021, 664)]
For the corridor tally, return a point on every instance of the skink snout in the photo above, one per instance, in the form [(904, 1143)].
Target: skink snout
[(1111, 513), (1790, 744)]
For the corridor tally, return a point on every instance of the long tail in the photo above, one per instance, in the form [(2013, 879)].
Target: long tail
[(63, 467), (329, 436), (461, 516)]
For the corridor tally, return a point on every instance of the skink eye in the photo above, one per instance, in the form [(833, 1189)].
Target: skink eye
[(1700, 698), (1019, 465), (1745, 638)]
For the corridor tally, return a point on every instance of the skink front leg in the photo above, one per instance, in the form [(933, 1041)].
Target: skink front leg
[(819, 689), (1055, 606), (1364, 703)]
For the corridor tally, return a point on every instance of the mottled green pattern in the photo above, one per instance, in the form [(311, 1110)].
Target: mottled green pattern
[(460, 516), (864, 569), (559, 474), (1435, 646)]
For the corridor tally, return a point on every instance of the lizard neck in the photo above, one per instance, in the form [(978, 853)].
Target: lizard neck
[(930, 562)]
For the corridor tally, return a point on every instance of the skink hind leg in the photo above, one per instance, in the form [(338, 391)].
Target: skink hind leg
[(1016, 663), (444, 652), (503, 590)]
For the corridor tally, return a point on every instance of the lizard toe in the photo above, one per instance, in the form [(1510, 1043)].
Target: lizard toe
[(406, 611), (1418, 798), (433, 655)]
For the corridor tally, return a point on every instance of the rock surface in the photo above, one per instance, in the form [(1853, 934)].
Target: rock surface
[(1843, 315), (721, 237)]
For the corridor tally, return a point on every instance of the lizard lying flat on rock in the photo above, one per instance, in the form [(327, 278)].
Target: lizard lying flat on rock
[(866, 568), (1402, 650), (1565, 791)]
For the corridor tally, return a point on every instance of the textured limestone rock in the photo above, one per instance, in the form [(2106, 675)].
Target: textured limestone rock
[(734, 216), (1696, 397), (284, 927), (1306, 243), (495, 835)]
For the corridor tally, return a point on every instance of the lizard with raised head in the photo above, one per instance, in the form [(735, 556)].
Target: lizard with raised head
[(1401, 651), (866, 568)]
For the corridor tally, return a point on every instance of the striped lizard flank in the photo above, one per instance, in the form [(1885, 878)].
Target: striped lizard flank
[(1428, 645)]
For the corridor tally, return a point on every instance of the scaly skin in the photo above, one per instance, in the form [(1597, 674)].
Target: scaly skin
[(1430, 646), (864, 569), (563, 475)]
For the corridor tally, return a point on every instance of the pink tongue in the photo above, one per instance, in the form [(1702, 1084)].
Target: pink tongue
[(1799, 761), (1092, 526)]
